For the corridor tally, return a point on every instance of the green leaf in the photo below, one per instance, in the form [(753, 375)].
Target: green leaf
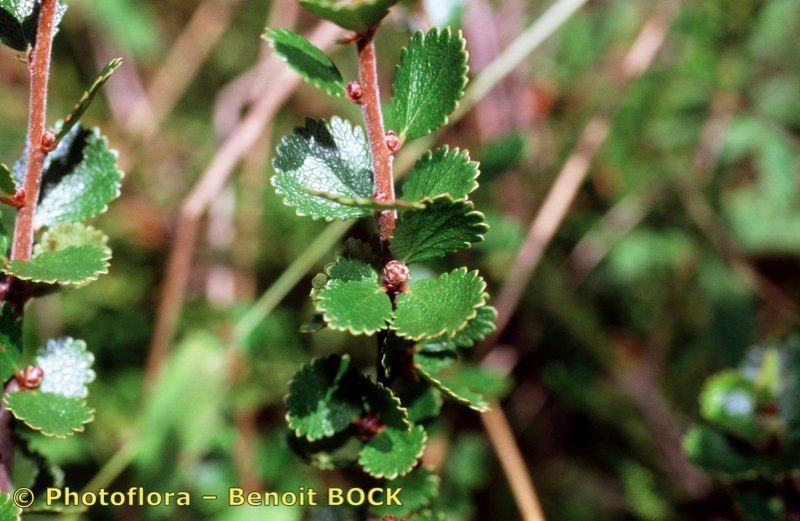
[(713, 452), (333, 158), (417, 491), (10, 341), (393, 452), (52, 414), (309, 61), (87, 190), (8, 186), (445, 226), (730, 401), (422, 401), (322, 398), (338, 451), (62, 236), (74, 265), (356, 16), (83, 104), (67, 366), (433, 307), (439, 369), (361, 307), (383, 403), (445, 171), (478, 328), (429, 82), (8, 510), (369, 204), (19, 20)]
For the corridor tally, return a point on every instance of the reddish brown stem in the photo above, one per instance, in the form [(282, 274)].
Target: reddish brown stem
[(39, 67), (382, 158)]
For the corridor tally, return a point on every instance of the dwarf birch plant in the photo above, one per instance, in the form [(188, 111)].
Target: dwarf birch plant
[(66, 176), (339, 415)]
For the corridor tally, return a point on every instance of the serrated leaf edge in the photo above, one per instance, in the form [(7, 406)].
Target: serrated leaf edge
[(398, 474), (267, 36), (108, 255), (450, 393), (340, 8), (80, 428), (395, 399), (445, 150), (319, 298)]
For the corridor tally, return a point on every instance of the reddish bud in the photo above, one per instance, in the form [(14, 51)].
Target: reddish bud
[(30, 377), (395, 276), (355, 92), (392, 142), (48, 143), (369, 426)]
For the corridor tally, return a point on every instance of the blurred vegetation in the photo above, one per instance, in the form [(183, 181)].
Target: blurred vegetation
[(607, 354)]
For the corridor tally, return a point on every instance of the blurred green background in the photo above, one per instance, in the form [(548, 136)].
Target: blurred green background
[(638, 300)]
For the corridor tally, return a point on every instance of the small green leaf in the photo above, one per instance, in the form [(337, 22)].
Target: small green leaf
[(429, 82), (8, 186), (86, 191), (8, 510), (439, 369), (314, 323), (10, 341), (307, 60), (445, 226), (62, 236), (83, 104), (383, 403), (52, 414), (730, 401), (356, 16), (333, 158), (393, 452), (445, 171), (74, 265), (417, 490), (322, 398), (361, 307), (433, 307), (338, 451), (422, 401), (478, 328), (67, 366)]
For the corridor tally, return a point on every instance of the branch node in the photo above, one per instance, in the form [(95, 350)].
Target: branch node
[(48, 143), (392, 141), (30, 377)]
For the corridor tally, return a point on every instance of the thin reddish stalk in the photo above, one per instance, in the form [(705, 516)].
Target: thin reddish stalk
[(39, 67), (382, 158)]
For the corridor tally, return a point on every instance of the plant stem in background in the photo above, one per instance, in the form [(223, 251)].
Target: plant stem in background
[(39, 142), (376, 133)]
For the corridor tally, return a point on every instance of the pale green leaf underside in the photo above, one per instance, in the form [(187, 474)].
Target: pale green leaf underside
[(356, 16), (73, 265), (87, 190), (359, 306), (393, 452), (8, 186), (429, 82), (8, 510), (67, 366), (443, 171), (443, 306), (320, 401), (444, 226), (306, 59), (437, 368), (83, 104), (52, 414), (333, 158), (418, 489), (62, 236)]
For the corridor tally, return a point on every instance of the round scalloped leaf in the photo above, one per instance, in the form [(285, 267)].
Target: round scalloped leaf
[(51, 414), (333, 158), (8, 510), (418, 489), (429, 82), (85, 191), (444, 171), (443, 306), (444, 226), (361, 307), (74, 265), (356, 16), (306, 59), (338, 451), (67, 366), (393, 452), (478, 328), (730, 401), (442, 373), (383, 403), (62, 236), (323, 398)]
